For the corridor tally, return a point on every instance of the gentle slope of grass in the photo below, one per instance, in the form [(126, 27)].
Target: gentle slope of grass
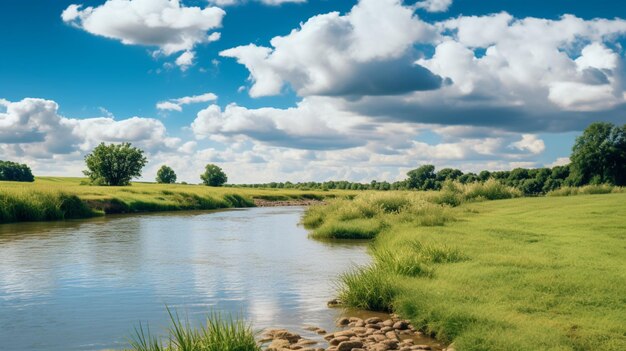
[(521, 274), (55, 198)]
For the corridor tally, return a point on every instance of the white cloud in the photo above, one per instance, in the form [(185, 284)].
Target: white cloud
[(561, 161), (185, 60), (33, 129), (266, 2), (530, 143), (525, 74), (165, 24), (177, 104), (434, 5), (365, 52)]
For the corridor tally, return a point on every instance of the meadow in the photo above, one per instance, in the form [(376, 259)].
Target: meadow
[(540, 273), (58, 198)]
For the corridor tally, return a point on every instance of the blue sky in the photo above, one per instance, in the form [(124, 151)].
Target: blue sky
[(342, 96)]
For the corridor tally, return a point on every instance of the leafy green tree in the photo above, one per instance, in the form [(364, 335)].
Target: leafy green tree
[(599, 156), (484, 176), (16, 172), (448, 174), (114, 164), (213, 176), (166, 175), (422, 178)]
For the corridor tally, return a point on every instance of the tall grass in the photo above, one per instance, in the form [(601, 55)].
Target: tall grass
[(27, 205), (587, 190), (218, 334), (368, 214), (369, 288)]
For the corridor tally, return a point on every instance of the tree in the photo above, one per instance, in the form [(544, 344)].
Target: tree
[(166, 175), (114, 164), (448, 174), (422, 178), (599, 156), (16, 172), (213, 176)]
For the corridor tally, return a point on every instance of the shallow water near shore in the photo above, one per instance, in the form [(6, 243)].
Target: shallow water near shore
[(84, 285)]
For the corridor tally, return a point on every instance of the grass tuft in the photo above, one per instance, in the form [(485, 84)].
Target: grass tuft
[(218, 334)]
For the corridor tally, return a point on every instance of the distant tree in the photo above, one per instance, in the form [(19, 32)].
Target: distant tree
[(484, 175), (213, 176), (16, 172), (422, 178), (166, 175), (114, 164), (448, 174), (599, 156)]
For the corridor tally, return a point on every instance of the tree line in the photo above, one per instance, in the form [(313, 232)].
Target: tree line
[(598, 157)]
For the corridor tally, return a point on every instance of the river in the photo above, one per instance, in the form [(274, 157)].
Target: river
[(84, 285)]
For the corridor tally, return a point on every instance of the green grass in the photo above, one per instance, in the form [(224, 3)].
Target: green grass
[(520, 274), (218, 334), (57, 198)]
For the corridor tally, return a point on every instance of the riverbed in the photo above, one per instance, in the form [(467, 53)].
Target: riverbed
[(84, 285)]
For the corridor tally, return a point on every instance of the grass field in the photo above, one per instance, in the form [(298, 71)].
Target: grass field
[(521, 274), (54, 198)]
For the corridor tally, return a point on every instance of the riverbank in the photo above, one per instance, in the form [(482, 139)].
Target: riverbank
[(520, 274), (58, 198)]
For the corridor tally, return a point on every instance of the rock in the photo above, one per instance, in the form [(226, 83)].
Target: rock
[(333, 303), (388, 323), (349, 345), (278, 345), (343, 322), (401, 325), (337, 340), (321, 331), (373, 320)]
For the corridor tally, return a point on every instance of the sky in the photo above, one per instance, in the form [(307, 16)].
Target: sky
[(308, 90)]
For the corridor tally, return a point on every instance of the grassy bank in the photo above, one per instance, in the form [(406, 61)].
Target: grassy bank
[(520, 274), (52, 198)]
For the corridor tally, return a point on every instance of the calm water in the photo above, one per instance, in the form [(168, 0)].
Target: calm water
[(84, 285)]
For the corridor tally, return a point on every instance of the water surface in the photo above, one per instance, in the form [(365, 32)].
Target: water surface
[(84, 285)]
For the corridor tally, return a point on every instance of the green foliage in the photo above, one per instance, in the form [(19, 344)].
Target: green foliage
[(218, 334), (599, 156), (16, 172), (422, 178), (587, 190), (166, 175), (114, 164), (213, 176)]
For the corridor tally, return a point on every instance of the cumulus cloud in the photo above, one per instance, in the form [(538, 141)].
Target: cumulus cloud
[(368, 51), (530, 143), (32, 128), (517, 74), (177, 104), (434, 5), (266, 2), (165, 24)]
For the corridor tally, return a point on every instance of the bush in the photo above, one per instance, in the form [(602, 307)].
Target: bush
[(15, 172)]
